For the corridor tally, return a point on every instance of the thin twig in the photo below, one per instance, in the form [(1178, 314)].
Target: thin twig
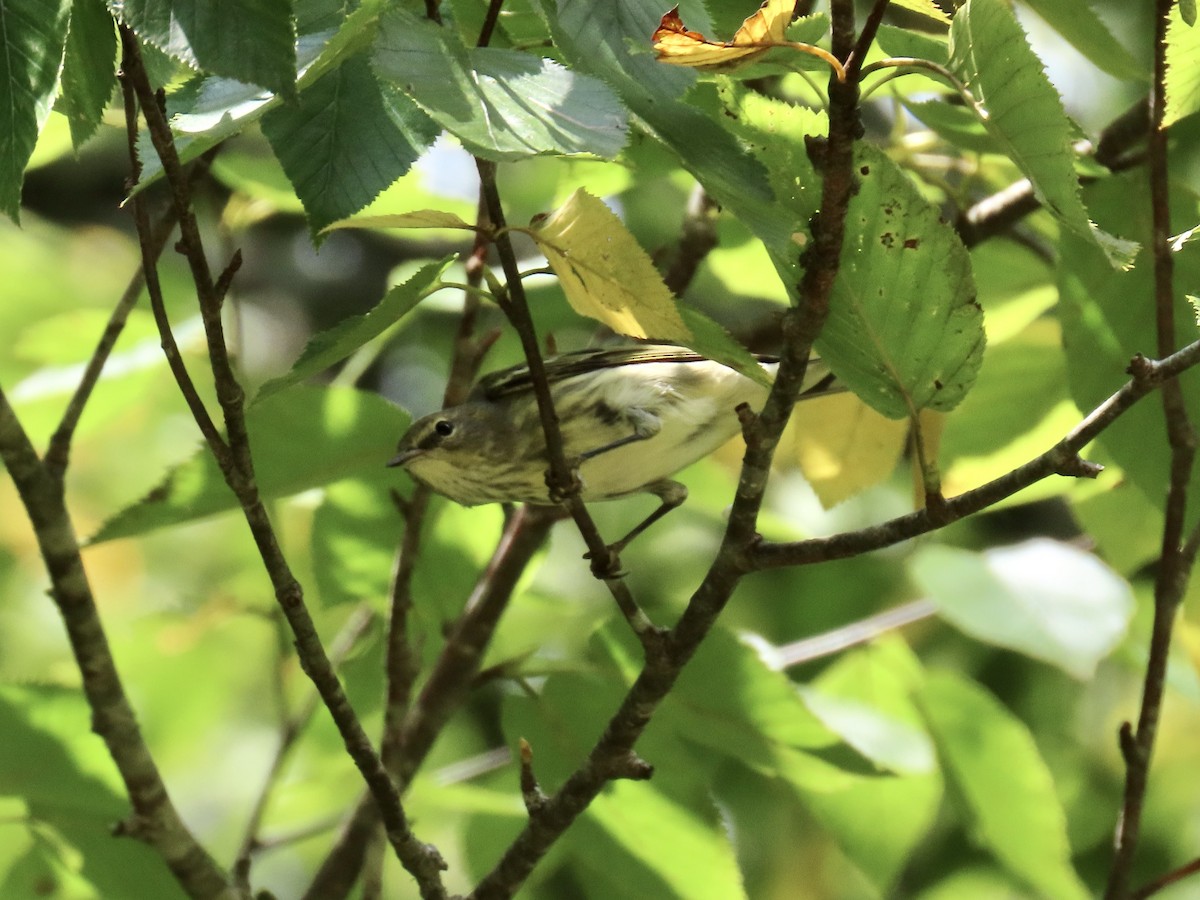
[(1174, 565), (58, 451), (443, 692), (292, 728), (853, 634)]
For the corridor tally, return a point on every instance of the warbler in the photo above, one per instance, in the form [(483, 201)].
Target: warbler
[(630, 418)]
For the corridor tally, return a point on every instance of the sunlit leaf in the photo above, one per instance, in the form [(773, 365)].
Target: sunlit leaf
[(842, 446), (777, 134), (1183, 75), (905, 332), (344, 140), (926, 8), (764, 29), (730, 696), (605, 273), (636, 820), (32, 35), (301, 438), (866, 697), (502, 104), (421, 218), (990, 55), (1005, 784), (252, 41), (1042, 598), (207, 110), (70, 795)]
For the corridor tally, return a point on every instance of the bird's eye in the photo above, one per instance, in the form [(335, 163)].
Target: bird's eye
[(444, 427)]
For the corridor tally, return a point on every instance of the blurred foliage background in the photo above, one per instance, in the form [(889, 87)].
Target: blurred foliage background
[(968, 762)]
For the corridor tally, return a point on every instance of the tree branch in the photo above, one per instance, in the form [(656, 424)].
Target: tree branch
[(1175, 560), (612, 756), (444, 690), (1062, 458), (59, 449), (155, 819), (237, 467)]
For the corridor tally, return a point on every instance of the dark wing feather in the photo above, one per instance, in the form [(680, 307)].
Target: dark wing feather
[(580, 362)]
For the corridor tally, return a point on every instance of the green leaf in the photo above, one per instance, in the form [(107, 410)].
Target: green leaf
[(666, 849), (1125, 526), (919, 45), (335, 344), (1019, 406), (925, 8), (1015, 101), (344, 140), (502, 104), (89, 68), (1187, 11), (904, 330), (1007, 788), (32, 36), (603, 39), (1106, 320), (302, 438), (207, 110), (355, 532), (71, 795), (731, 701), (1183, 75), (421, 218), (777, 134), (711, 340), (866, 697), (1042, 598), (252, 41), (1078, 24)]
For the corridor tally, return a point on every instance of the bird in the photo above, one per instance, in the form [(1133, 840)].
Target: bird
[(630, 419)]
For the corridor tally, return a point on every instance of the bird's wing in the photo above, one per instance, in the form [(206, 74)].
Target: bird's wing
[(580, 362)]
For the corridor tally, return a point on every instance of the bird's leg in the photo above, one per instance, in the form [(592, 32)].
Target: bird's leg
[(671, 493)]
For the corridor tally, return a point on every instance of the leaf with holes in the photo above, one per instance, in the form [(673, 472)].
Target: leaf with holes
[(904, 330)]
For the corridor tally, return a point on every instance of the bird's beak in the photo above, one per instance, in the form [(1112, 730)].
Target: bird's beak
[(404, 457)]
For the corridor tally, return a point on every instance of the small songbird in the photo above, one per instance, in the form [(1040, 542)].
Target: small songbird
[(630, 418)]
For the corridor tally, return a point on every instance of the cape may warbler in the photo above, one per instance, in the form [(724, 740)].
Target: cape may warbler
[(630, 417)]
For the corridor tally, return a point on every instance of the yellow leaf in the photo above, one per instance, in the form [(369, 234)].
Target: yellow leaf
[(763, 31), (924, 8), (605, 274), (842, 445), (759, 33)]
